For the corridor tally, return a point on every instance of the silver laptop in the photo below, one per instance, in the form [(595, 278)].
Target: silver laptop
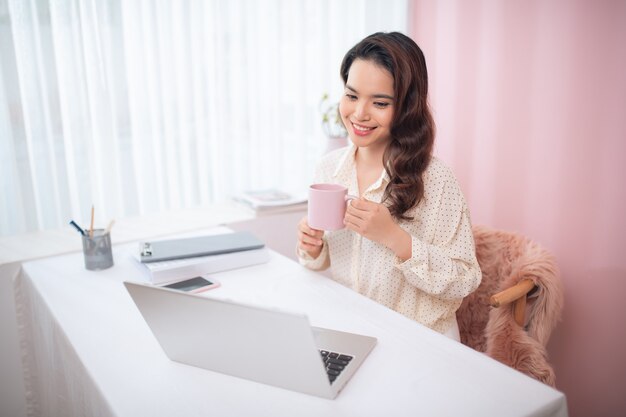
[(259, 344)]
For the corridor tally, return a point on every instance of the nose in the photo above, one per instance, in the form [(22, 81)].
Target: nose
[(361, 112)]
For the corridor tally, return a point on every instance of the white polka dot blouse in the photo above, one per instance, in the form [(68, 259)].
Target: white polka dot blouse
[(428, 287)]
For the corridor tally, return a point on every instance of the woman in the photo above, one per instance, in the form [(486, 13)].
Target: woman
[(408, 239)]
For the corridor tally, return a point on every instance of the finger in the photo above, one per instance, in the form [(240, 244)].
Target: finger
[(362, 203), (303, 222), (356, 212), (352, 222), (362, 207), (304, 228), (354, 205), (353, 227), (308, 248), (315, 234), (303, 237), (310, 240), (303, 225), (355, 202)]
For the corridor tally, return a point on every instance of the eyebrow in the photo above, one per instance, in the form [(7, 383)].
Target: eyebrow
[(374, 96)]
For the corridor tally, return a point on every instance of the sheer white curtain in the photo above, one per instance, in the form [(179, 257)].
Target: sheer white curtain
[(143, 106)]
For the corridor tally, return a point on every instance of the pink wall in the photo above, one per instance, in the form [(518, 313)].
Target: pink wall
[(530, 103)]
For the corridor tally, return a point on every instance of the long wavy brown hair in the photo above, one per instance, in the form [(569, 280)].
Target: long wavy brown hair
[(412, 128)]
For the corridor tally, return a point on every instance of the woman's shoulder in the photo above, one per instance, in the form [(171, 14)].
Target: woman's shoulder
[(438, 170), (439, 175)]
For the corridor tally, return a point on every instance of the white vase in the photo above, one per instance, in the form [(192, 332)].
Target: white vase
[(336, 142)]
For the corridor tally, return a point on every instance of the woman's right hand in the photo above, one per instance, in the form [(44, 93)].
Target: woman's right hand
[(309, 239)]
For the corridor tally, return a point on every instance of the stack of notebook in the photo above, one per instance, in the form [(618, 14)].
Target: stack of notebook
[(174, 260)]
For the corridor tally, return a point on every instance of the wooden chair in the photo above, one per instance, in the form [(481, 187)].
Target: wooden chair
[(517, 295), (512, 313)]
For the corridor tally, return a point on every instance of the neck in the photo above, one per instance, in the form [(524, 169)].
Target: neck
[(370, 157)]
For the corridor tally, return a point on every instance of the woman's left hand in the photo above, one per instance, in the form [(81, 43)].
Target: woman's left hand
[(369, 219), (374, 222)]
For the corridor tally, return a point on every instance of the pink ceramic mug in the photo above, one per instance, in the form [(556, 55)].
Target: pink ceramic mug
[(327, 206)]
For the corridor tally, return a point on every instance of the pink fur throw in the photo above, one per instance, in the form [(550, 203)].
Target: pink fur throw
[(505, 259)]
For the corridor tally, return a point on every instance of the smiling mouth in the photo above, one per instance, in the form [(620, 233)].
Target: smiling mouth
[(362, 129)]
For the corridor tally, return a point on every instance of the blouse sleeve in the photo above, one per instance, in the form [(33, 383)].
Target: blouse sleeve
[(316, 264), (446, 267)]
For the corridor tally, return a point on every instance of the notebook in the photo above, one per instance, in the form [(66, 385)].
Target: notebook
[(166, 250), (243, 340), (165, 272)]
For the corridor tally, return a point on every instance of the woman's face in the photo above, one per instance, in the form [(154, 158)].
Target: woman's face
[(366, 107)]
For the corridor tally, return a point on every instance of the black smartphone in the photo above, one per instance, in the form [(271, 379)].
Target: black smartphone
[(194, 285)]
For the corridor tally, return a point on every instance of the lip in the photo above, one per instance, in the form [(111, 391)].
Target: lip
[(361, 132)]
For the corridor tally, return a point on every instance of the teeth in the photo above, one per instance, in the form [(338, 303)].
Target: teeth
[(362, 128)]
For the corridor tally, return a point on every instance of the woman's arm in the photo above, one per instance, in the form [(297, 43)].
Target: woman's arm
[(446, 267)]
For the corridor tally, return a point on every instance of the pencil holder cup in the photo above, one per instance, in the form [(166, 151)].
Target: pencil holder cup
[(97, 250)]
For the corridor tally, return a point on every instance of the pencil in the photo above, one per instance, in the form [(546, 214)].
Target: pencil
[(91, 227), (108, 229)]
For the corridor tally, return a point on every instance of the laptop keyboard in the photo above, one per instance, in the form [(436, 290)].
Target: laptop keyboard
[(334, 363)]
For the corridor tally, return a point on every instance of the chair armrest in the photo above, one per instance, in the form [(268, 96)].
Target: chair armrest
[(511, 294)]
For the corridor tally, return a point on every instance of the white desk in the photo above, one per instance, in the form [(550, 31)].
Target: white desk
[(89, 352)]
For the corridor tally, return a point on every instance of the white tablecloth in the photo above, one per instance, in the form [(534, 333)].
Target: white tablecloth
[(88, 352)]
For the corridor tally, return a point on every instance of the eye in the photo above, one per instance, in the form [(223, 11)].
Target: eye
[(381, 104), (351, 97)]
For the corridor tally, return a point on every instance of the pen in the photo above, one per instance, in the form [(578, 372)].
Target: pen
[(77, 227)]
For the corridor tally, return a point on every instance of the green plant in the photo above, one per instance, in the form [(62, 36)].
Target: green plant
[(331, 120)]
